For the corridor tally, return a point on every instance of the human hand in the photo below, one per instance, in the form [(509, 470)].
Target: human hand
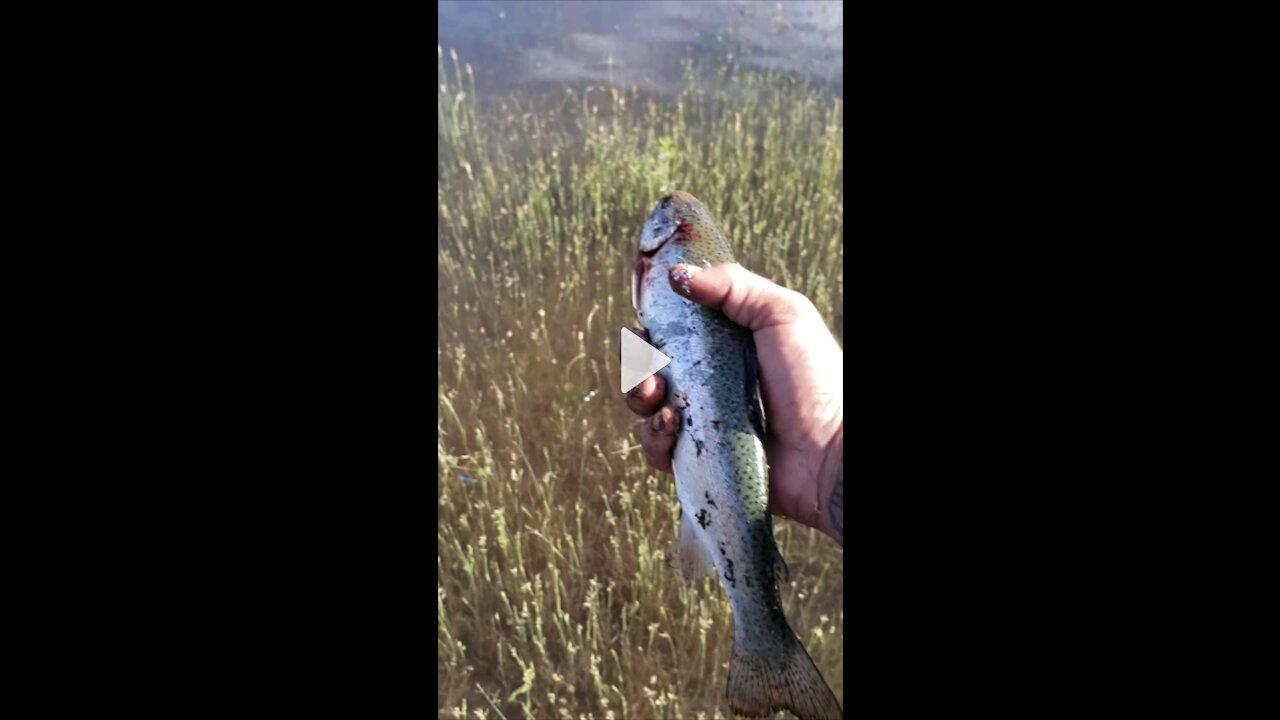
[(801, 382)]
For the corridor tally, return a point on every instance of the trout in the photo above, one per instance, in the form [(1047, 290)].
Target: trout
[(719, 463)]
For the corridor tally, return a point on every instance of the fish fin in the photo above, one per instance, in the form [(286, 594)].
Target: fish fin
[(755, 405), (635, 284), (780, 569), (764, 681), (689, 556)]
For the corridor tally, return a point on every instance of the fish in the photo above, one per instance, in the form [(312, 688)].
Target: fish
[(721, 474)]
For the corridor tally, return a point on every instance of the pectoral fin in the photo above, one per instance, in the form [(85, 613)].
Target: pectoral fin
[(637, 277)]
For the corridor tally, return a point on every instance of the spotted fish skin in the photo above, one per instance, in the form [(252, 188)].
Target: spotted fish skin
[(719, 463)]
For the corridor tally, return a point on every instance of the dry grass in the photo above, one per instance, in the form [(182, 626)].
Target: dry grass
[(554, 598)]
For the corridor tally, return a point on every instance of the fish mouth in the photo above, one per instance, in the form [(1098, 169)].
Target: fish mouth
[(644, 261), (659, 246), (675, 233)]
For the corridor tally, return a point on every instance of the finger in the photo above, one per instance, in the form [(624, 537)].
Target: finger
[(645, 398), (658, 437), (743, 296)]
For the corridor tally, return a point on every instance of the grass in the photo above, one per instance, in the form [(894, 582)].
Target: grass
[(554, 598)]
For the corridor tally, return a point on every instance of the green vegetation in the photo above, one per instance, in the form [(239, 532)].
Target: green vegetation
[(554, 598)]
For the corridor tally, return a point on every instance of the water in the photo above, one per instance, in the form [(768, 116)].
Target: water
[(547, 43)]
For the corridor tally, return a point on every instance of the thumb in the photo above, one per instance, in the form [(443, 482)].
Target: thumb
[(744, 297)]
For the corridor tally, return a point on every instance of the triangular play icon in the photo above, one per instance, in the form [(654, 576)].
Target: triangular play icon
[(639, 360)]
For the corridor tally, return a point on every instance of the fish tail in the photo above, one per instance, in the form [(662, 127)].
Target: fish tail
[(763, 681)]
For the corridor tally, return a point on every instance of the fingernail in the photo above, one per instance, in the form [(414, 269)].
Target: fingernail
[(680, 275), (655, 422)]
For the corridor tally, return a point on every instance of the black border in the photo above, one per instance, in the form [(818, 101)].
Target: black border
[(287, 218)]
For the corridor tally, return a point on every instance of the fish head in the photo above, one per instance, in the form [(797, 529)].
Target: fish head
[(679, 230), (680, 217), (663, 223)]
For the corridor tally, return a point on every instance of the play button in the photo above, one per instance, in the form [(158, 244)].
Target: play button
[(639, 360)]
